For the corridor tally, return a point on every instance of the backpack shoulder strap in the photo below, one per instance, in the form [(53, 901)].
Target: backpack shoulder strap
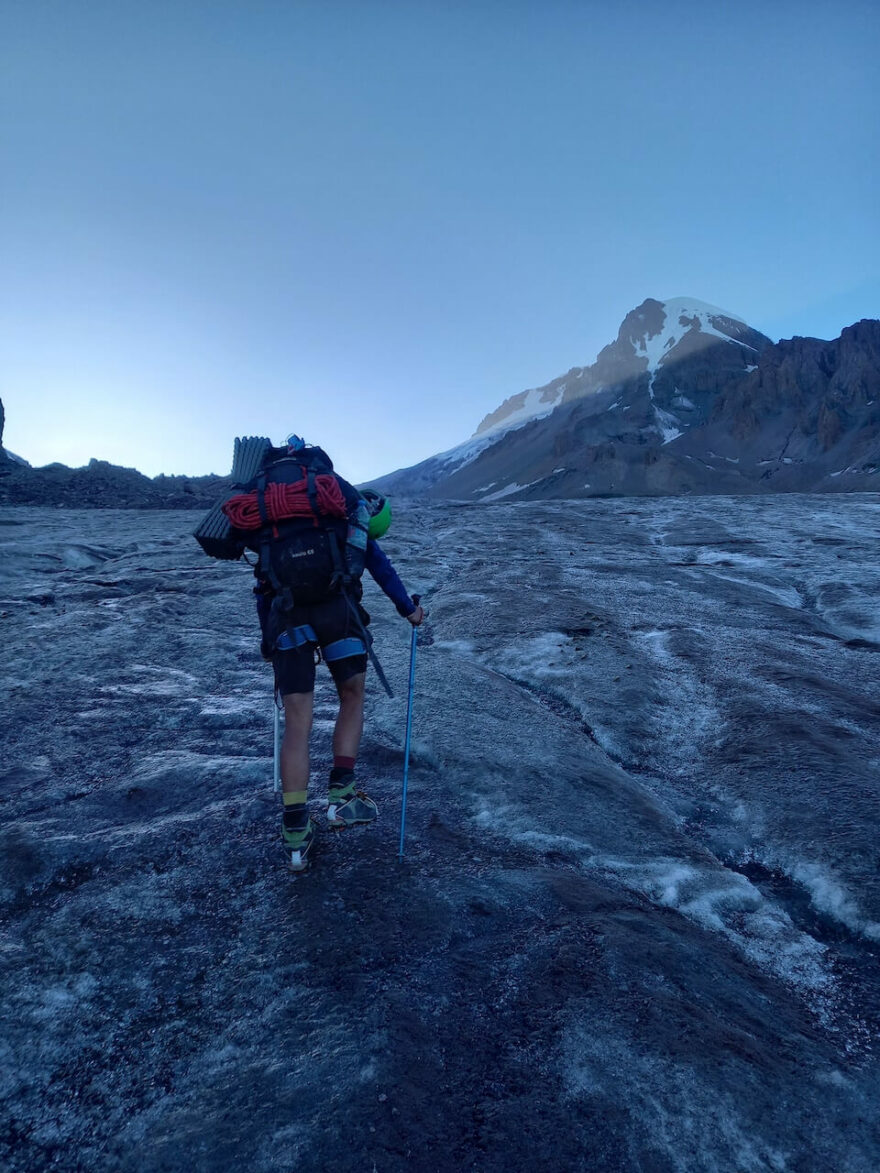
[(312, 490), (350, 493)]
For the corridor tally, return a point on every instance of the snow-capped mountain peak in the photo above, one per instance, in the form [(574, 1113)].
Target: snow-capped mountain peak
[(653, 334), (681, 316), (656, 381)]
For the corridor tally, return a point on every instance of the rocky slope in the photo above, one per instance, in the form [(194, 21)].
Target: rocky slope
[(687, 399)]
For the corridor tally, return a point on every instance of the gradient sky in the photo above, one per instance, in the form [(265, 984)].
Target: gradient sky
[(371, 222)]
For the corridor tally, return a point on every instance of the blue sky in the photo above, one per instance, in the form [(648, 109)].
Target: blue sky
[(372, 222)]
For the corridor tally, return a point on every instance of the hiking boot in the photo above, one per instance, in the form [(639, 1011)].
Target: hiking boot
[(350, 808), (298, 846)]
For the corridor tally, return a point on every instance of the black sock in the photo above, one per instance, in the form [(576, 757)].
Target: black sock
[(295, 818), (341, 778)]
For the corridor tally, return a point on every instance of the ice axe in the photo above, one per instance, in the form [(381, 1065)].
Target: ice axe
[(409, 708)]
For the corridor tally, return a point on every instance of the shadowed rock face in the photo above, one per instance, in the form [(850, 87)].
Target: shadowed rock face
[(823, 389), (687, 399), (8, 460), (4, 459), (637, 926)]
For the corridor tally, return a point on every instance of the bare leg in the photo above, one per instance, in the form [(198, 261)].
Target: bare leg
[(350, 721), (298, 708)]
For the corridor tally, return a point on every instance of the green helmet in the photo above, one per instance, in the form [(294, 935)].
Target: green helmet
[(380, 513)]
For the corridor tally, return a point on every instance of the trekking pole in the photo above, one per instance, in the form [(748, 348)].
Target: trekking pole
[(276, 772), (409, 708)]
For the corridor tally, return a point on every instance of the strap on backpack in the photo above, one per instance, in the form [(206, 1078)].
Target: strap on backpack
[(312, 490), (265, 567), (341, 579), (261, 499)]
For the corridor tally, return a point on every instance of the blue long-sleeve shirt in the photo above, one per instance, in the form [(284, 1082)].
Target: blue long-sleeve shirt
[(386, 576)]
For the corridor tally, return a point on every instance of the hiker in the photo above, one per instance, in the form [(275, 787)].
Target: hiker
[(334, 622)]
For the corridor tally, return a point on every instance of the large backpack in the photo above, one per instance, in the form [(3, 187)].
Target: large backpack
[(306, 524)]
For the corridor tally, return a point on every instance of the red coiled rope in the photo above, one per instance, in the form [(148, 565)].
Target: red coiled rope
[(285, 501)]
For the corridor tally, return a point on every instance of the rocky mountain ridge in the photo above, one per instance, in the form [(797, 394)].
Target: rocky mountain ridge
[(687, 399), (101, 485)]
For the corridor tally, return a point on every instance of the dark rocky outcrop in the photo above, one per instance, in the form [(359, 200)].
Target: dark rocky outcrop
[(7, 459), (4, 459), (807, 416), (107, 486), (101, 485)]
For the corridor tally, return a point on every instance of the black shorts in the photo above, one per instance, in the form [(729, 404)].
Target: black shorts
[(330, 621)]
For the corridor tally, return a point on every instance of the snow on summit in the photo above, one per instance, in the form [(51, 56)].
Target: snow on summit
[(684, 314)]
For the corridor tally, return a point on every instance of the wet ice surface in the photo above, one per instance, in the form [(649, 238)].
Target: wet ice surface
[(638, 924)]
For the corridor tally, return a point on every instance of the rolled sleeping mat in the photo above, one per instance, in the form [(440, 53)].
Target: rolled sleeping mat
[(214, 533)]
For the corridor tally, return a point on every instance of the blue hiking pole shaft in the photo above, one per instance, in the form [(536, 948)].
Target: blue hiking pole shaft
[(276, 757), (409, 709)]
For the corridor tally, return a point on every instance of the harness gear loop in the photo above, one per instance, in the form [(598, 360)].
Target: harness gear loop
[(341, 649), (296, 637)]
